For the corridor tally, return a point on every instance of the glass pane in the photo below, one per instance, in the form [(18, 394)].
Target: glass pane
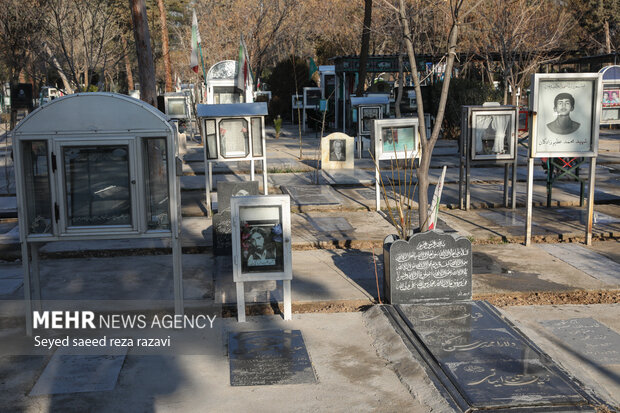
[(97, 185), (38, 194), (176, 107), (156, 173), (368, 115), (262, 249), (399, 139), (234, 138), (257, 137), (211, 139)]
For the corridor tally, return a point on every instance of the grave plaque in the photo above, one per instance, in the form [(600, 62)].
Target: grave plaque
[(431, 266), (221, 226), (311, 194), (587, 337), (337, 151), (269, 357), (492, 364), (226, 190)]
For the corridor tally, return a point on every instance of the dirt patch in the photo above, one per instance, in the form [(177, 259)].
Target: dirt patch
[(552, 298)]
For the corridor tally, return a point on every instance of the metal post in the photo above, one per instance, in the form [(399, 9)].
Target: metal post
[(177, 269), (530, 191), (251, 169), (467, 198), (27, 292), (344, 102), (36, 278), (377, 188), (461, 171), (240, 302), (286, 286), (514, 184), (506, 185), (550, 170), (590, 201), (208, 187), (265, 187)]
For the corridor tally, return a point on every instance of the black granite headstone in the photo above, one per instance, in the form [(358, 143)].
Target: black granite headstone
[(226, 190), (492, 364), (222, 232), (431, 266), (269, 357)]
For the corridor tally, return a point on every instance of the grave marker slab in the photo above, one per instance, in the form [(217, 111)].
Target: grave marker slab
[(492, 364), (269, 357), (337, 151), (226, 190), (586, 336), (330, 224), (431, 266), (504, 218), (70, 373), (312, 194), (590, 262)]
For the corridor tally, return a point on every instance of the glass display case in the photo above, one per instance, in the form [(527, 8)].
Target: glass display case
[(395, 138), (231, 133), (94, 166)]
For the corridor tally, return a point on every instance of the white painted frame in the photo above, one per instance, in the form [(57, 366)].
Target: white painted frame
[(283, 203), (377, 141), (595, 106)]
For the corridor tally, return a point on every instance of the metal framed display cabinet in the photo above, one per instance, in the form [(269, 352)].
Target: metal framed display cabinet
[(95, 166), (393, 139), (488, 134), (261, 244), (368, 109), (610, 114), (565, 121), (231, 133)]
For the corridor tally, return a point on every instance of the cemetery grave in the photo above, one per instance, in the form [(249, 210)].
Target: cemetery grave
[(476, 358)]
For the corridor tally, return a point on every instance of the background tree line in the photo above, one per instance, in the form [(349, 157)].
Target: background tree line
[(86, 45)]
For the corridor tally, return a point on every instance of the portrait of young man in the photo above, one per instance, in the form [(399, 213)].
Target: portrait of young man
[(563, 105)]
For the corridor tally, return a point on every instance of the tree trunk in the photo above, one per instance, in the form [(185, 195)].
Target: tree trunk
[(365, 47), (130, 85), (146, 68), (164, 45), (428, 145), (401, 84), (607, 36)]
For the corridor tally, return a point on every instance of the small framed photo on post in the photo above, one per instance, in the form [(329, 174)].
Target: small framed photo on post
[(395, 138), (567, 112), (261, 238), (493, 134)]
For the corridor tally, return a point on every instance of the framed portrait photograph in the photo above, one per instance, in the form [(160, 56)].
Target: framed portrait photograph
[(337, 150), (568, 111), (367, 116), (611, 98), (395, 138), (261, 237), (493, 134)]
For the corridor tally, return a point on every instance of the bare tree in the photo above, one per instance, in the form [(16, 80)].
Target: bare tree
[(146, 69), (518, 36), (165, 49), (455, 13), (365, 46)]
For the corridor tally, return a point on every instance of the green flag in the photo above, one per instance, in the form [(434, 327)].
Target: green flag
[(314, 70)]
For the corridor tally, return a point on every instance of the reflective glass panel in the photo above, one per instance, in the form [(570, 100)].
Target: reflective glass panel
[(257, 137), (37, 187), (211, 139), (97, 185), (156, 174), (234, 138), (176, 107)]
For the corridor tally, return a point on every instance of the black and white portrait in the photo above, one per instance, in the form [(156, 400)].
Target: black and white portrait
[(565, 109), (368, 115), (337, 150), (563, 105)]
